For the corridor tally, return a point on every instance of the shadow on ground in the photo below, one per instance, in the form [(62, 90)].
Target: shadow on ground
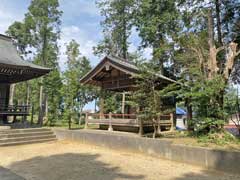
[(208, 175), (6, 174), (69, 166)]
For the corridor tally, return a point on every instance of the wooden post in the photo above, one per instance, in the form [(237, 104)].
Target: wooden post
[(10, 101), (86, 121), (140, 122), (172, 123), (110, 128)]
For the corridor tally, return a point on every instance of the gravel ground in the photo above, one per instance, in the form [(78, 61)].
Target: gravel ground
[(64, 160)]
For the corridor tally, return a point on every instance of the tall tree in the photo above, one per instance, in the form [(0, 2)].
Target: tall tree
[(206, 56), (43, 22), (157, 23), (75, 95), (117, 25)]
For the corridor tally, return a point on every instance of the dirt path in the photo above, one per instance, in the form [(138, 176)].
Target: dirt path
[(73, 161)]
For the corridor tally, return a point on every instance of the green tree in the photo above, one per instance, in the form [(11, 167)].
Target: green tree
[(147, 99), (117, 25), (157, 23), (43, 23), (205, 59), (76, 96)]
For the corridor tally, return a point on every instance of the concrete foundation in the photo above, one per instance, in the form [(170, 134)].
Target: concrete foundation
[(146, 129), (226, 161)]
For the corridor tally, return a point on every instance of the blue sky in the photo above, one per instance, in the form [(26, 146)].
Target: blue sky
[(80, 21)]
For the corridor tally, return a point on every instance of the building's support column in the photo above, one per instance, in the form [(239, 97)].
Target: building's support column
[(11, 94), (10, 101)]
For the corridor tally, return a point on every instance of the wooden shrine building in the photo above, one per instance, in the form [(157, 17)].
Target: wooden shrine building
[(14, 69), (116, 74)]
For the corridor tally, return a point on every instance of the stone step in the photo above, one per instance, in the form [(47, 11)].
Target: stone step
[(25, 134), (19, 139), (27, 142), (14, 137), (10, 131), (4, 127)]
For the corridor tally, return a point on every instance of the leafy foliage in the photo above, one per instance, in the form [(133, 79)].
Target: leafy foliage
[(117, 25), (75, 96)]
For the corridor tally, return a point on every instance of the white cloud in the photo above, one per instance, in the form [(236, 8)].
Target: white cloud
[(76, 7), (7, 18), (81, 36), (10, 11)]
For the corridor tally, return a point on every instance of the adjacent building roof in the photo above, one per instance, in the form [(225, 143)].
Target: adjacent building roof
[(114, 71), (12, 67), (180, 111)]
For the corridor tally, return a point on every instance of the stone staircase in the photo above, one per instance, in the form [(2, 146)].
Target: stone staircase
[(12, 137)]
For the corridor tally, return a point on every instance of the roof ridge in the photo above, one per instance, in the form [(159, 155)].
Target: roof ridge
[(121, 60)]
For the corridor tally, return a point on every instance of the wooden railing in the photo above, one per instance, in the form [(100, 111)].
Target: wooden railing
[(111, 119), (11, 110), (15, 111), (164, 121)]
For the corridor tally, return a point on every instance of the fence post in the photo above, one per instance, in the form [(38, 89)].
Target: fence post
[(110, 128), (171, 119), (86, 121)]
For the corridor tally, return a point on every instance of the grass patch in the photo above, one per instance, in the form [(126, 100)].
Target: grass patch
[(221, 140)]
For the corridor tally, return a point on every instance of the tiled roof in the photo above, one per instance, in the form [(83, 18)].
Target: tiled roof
[(121, 63), (10, 57)]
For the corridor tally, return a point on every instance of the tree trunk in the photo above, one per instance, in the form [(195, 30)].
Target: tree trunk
[(46, 109), (212, 60), (71, 113), (28, 93), (124, 45), (40, 114), (80, 115), (123, 103), (43, 58), (189, 113), (219, 31), (101, 110)]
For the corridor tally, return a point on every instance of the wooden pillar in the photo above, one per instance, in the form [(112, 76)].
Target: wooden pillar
[(86, 121), (123, 102), (10, 101), (11, 94), (110, 128)]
